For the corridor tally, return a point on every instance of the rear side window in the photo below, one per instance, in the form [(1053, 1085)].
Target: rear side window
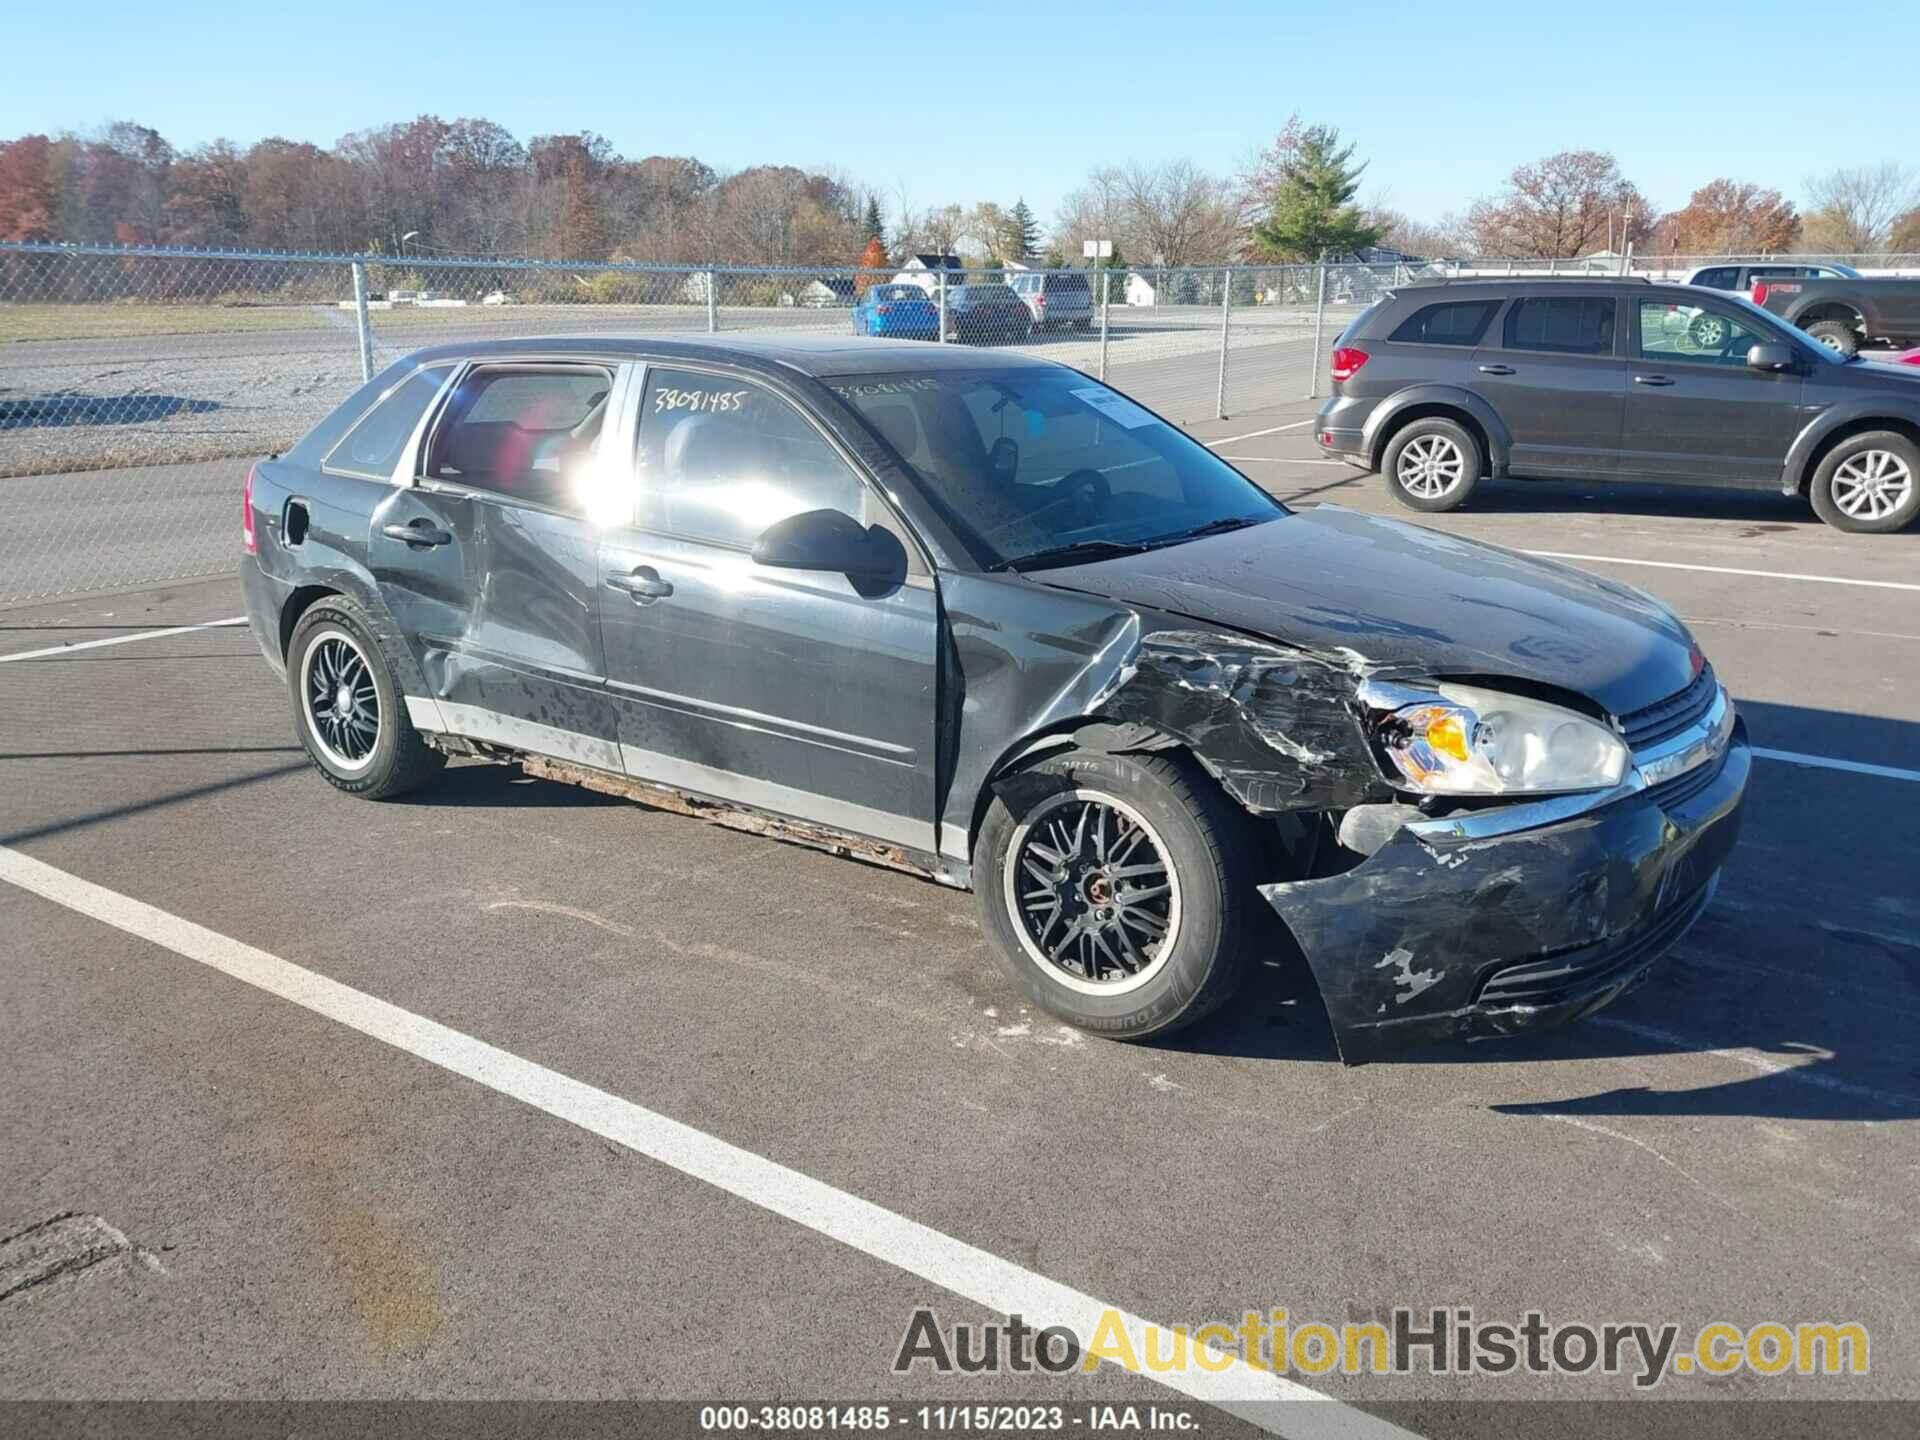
[(1722, 277), (522, 431), (1461, 322), (372, 448), (721, 459), (1076, 283), (1572, 326)]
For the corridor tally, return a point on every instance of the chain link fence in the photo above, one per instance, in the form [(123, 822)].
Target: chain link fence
[(136, 385)]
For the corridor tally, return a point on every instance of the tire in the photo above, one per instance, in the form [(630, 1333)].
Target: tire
[(1836, 335), (1199, 840), (1433, 464), (1868, 484), (333, 650)]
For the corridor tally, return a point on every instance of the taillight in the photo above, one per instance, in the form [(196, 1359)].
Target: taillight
[(1347, 362), (247, 540), (883, 309), (1760, 292)]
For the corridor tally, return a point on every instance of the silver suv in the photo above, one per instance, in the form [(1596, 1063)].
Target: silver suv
[(1445, 384), (1056, 299)]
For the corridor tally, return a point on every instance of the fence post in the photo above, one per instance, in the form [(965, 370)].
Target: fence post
[(1226, 312), (713, 299), (1106, 295), (1319, 324), (362, 322), (943, 300)]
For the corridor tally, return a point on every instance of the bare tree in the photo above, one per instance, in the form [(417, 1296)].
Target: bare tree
[(1565, 205), (1179, 213), (1853, 209)]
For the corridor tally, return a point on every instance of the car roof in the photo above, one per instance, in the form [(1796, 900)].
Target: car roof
[(812, 355)]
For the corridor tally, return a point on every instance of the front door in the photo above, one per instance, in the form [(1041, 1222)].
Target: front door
[(1695, 411), (787, 691), (1550, 372), (490, 559)]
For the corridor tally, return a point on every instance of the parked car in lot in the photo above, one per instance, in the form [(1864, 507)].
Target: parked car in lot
[(987, 314), (1056, 300), (982, 618), (1740, 276), (1443, 384), (1844, 315), (896, 312)]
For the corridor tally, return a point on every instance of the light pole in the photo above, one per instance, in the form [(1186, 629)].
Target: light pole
[(410, 235)]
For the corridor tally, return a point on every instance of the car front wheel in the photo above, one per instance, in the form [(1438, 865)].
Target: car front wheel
[(1869, 483), (1433, 464), (1116, 891), (348, 711)]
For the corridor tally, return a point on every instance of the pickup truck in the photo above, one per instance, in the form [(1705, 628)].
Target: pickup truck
[(1844, 314)]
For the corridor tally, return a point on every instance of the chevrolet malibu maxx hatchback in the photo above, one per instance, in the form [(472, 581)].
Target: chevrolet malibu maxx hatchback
[(981, 618)]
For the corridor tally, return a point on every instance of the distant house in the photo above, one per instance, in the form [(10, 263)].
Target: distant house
[(826, 292), (924, 271), (1141, 289)]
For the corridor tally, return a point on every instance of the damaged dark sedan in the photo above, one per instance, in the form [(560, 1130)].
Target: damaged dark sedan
[(981, 617)]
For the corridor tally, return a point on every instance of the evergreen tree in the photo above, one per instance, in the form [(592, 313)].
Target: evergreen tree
[(1310, 209), (1020, 238), (873, 227)]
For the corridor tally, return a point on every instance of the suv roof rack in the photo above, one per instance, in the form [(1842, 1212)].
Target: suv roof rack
[(1437, 281)]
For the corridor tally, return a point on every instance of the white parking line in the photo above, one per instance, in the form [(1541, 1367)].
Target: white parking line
[(919, 1250), (120, 640), (1284, 460), (1725, 570), (1254, 434), (1826, 762)]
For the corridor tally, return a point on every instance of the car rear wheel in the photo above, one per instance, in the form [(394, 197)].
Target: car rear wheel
[(1836, 335), (1433, 464), (1116, 891), (348, 711), (1869, 483)]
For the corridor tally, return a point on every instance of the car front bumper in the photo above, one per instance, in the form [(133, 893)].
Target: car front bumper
[(1442, 936)]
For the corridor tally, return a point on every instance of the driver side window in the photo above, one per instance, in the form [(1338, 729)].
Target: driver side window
[(1696, 334), (721, 459)]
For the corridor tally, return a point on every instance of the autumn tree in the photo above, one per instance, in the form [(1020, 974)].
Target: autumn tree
[(208, 204), (1566, 205), (872, 259), (1904, 237), (1730, 217), (29, 193), (579, 235), (1303, 188)]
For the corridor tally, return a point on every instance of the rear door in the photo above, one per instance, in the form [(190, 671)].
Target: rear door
[(788, 691), (490, 557), (1695, 411), (1551, 371)]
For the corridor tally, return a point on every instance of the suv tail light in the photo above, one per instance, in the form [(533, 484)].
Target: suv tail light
[(1760, 289), (247, 540), (1347, 362)]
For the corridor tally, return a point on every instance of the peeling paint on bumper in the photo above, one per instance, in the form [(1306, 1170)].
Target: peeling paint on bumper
[(1429, 940)]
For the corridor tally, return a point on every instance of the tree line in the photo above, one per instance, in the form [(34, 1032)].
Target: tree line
[(469, 187)]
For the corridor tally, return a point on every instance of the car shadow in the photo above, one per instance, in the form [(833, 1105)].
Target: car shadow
[(37, 412), (1801, 980), (482, 784), (1769, 510)]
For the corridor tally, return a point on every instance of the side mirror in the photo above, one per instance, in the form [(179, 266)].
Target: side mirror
[(833, 541), (1771, 358)]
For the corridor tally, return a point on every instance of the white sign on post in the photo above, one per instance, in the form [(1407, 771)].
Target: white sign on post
[(1097, 249)]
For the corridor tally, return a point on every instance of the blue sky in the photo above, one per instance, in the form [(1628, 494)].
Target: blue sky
[(1018, 99)]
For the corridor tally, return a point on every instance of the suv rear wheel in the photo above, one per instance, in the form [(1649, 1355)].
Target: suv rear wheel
[(1868, 483), (1117, 890), (1433, 464)]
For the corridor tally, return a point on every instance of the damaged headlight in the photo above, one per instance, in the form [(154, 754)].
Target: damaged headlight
[(1469, 741)]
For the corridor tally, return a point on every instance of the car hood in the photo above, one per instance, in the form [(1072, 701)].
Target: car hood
[(1410, 602)]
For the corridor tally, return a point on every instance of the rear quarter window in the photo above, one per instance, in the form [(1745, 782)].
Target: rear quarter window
[(372, 447), (1457, 322)]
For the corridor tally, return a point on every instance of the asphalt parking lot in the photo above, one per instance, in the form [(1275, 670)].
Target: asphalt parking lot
[(315, 1195)]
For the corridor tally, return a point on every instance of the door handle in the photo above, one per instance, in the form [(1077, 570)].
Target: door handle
[(1496, 369), (421, 532), (644, 585), (1652, 380)]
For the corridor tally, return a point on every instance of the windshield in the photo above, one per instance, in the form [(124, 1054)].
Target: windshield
[(898, 292), (1041, 465)]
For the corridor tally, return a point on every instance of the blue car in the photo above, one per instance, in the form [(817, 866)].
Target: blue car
[(896, 312)]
